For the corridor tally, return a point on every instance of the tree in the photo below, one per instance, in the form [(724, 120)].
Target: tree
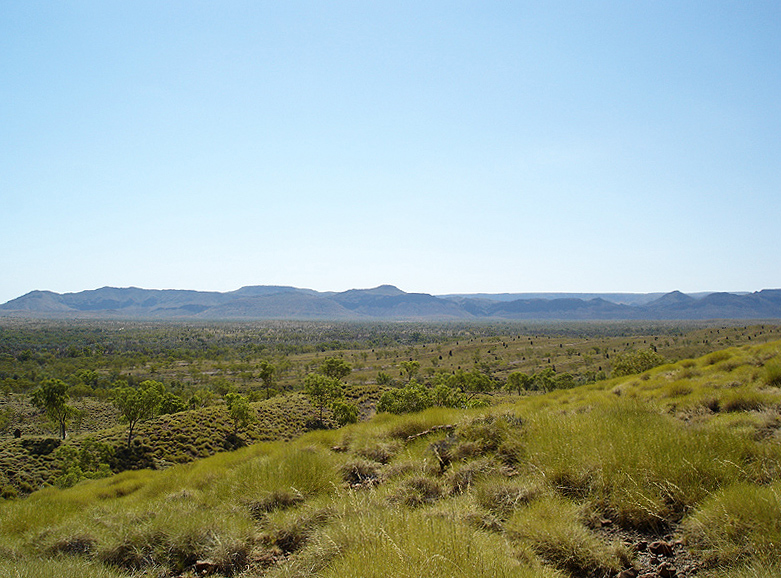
[(335, 368), (267, 371), (518, 381), (545, 380), (322, 390), (138, 404), (410, 368), (636, 362), (471, 383), (239, 410), (171, 403), (52, 397)]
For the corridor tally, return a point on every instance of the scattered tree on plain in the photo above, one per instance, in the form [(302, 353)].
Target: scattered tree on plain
[(239, 410), (267, 371), (52, 397), (322, 390), (636, 362), (138, 404), (411, 368), (335, 368), (518, 381)]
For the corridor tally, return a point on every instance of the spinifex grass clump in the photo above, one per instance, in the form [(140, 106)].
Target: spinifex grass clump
[(738, 523), (381, 542), (57, 568), (773, 374), (641, 467), (552, 526)]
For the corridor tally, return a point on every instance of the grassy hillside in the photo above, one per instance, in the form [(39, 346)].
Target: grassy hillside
[(30, 462), (673, 472)]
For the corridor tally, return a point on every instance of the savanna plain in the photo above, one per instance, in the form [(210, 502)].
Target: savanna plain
[(302, 449)]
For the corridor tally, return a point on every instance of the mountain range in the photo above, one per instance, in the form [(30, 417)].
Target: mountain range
[(388, 303)]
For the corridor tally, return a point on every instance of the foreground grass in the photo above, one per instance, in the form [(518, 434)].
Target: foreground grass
[(691, 449)]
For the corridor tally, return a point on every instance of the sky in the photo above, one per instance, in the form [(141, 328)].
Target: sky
[(442, 147)]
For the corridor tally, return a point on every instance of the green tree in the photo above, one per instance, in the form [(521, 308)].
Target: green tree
[(267, 371), (411, 398), (138, 404), (518, 381), (636, 362), (171, 403), (239, 410), (344, 413), (335, 368), (88, 461), (544, 380), (564, 381), (411, 368), (322, 390), (471, 383), (52, 397)]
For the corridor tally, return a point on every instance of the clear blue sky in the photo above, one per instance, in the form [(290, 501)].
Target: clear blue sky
[(438, 146)]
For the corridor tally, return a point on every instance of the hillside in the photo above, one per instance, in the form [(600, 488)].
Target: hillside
[(672, 472), (386, 303)]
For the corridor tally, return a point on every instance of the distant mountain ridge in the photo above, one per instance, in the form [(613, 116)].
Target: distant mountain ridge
[(388, 302)]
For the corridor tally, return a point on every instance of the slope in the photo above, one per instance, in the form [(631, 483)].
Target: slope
[(673, 472)]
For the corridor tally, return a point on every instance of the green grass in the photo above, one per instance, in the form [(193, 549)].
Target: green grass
[(552, 526), (738, 523), (691, 449), (56, 568)]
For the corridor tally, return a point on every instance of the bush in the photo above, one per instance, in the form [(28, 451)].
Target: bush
[(415, 397), (344, 413), (636, 362), (411, 398)]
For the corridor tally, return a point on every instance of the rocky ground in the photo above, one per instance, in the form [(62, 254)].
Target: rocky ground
[(655, 556)]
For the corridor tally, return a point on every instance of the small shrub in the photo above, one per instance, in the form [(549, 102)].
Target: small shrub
[(636, 362), (344, 413)]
